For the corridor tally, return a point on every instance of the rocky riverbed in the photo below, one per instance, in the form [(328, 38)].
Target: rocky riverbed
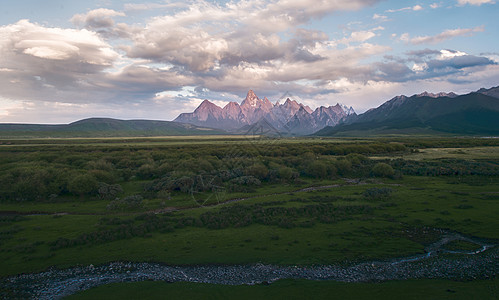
[(436, 263)]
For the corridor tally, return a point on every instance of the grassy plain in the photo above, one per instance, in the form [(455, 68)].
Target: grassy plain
[(300, 289), (185, 215)]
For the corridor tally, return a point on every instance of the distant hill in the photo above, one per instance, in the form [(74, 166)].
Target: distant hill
[(471, 114), (106, 127)]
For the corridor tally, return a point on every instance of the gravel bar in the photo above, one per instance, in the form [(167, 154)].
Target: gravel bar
[(56, 283)]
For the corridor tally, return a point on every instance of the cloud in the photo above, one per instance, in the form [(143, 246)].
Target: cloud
[(151, 6), (215, 50), (224, 48), (447, 34), (380, 17), (474, 2), (405, 37), (46, 63), (204, 35), (97, 18), (360, 36), (413, 8), (422, 53), (430, 64), (143, 80), (459, 60)]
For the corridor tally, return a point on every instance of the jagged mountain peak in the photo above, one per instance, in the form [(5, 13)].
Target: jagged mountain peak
[(292, 116), (437, 95), (207, 105), (231, 105), (348, 109), (251, 99), (302, 110)]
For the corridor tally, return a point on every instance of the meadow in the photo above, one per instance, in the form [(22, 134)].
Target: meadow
[(244, 200)]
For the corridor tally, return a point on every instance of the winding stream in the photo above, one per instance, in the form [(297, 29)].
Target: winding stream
[(437, 262)]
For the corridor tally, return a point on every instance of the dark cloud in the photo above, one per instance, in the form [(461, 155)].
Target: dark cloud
[(459, 62), (422, 53), (392, 71)]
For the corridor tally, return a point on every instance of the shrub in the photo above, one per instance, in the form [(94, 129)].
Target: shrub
[(258, 170), (84, 184), (377, 193), (130, 202), (344, 167), (383, 170), (317, 169), (109, 191)]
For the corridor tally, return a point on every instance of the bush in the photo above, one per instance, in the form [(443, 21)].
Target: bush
[(383, 170), (130, 202), (85, 184), (109, 191), (377, 193), (344, 167), (285, 173), (258, 170), (317, 169), (243, 184)]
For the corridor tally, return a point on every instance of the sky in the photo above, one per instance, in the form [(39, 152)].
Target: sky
[(62, 61)]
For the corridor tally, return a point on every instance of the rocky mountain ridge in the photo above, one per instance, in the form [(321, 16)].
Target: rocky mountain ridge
[(289, 117)]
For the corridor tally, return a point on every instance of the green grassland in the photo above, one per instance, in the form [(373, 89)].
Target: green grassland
[(300, 289), (170, 201)]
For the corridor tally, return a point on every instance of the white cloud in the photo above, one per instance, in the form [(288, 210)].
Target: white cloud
[(358, 36), (58, 50), (405, 37), (419, 67), (445, 35), (97, 18), (413, 8), (151, 6), (205, 35), (445, 54), (44, 62), (474, 2), (380, 17)]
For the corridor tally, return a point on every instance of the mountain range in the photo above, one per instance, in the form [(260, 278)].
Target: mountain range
[(476, 113), (289, 117)]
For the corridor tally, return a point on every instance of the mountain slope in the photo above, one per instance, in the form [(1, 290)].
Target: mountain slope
[(474, 113), (105, 127), (492, 92)]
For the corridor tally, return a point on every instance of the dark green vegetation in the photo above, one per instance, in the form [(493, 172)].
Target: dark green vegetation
[(71, 202), (471, 114), (300, 289), (103, 127)]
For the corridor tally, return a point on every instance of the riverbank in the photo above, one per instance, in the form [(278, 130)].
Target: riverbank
[(56, 284)]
